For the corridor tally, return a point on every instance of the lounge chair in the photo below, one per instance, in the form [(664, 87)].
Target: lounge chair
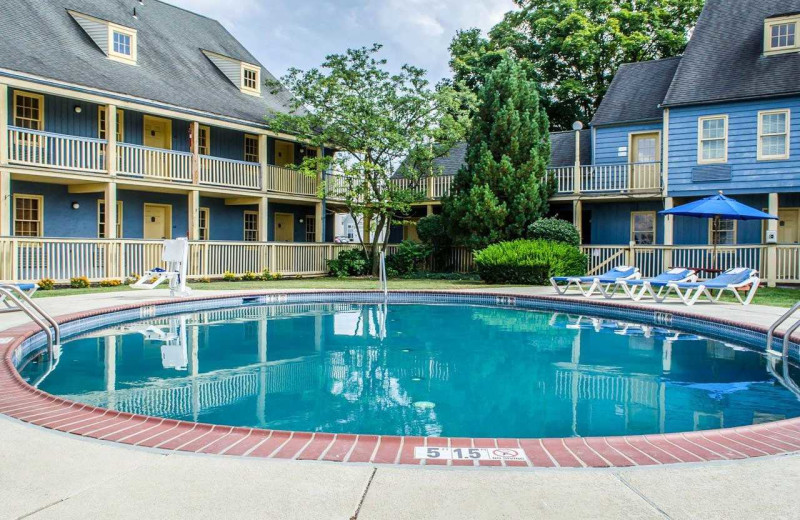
[(595, 283), (731, 280), (639, 288), (27, 288), (176, 256)]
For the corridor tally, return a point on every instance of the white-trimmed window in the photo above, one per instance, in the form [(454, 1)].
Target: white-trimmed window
[(101, 124), (251, 79), (773, 134), (311, 228), (101, 218), (251, 148), (204, 140), (121, 43), (643, 227), (251, 226), (712, 142), (28, 215), (722, 232), (205, 223), (28, 110), (781, 34)]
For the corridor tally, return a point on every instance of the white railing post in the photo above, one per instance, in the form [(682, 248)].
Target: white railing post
[(3, 124)]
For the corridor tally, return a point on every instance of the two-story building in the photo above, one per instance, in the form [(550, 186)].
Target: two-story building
[(722, 117), (141, 120)]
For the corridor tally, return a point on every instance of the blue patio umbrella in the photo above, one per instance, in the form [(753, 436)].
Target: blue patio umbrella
[(718, 207)]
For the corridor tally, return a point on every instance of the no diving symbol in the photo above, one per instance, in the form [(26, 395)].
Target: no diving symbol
[(506, 453)]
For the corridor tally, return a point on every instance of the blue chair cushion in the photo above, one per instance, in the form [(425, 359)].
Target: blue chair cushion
[(730, 277), (26, 286)]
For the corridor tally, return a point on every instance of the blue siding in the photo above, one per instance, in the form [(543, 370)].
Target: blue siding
[(228, 144), (227, 222), (60, 220), (748, 174), (611, 221), (609, 139), (299, 212)]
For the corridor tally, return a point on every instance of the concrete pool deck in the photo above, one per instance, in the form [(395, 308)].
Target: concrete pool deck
[(47, 474)]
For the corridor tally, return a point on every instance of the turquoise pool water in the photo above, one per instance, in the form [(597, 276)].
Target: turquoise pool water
[(434, 370)]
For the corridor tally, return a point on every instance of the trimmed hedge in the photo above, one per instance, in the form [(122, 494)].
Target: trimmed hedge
[(530, 262), (350, 262), (556, 230)]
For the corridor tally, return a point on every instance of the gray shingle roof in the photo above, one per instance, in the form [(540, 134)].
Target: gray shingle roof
[(562, 148), (39, 37), (636, 92), (562, 153), (725, 61)]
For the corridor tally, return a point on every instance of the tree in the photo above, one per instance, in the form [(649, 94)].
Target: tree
[(576, 46), (501, 188), (380, 124)]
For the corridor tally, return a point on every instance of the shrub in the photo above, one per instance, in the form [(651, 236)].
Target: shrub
[(110, 283), (432, 230), (203, 279), (529, 261), (556, 230), (250, 276), (80, 282), (229, 277), (408, 257), (350, 262), (132, 279), (46, 284)]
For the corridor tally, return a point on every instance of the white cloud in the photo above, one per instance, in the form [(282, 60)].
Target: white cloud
[(299, 33)]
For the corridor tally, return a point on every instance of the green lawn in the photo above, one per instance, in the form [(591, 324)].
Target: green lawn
[(775, 297)]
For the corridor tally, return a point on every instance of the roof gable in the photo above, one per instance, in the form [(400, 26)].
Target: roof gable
[(725, 58), (636, 92), (41, 38)]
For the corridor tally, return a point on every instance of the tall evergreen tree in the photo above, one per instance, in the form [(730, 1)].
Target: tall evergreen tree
[(501, 188)]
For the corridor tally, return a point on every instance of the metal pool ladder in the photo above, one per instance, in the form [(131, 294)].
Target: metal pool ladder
[(771, 332), (35, 313), (384, 281)]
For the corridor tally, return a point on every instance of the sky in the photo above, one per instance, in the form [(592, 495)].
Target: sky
[(300, 33)]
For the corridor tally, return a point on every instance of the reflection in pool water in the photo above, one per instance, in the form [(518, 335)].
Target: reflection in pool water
[(451, 370)]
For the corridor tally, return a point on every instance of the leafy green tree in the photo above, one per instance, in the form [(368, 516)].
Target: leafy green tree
[(379, 123), (501, 188), (576, 46)]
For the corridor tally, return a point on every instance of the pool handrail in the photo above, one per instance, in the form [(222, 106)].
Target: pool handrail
[(778, 323), (28, 307)]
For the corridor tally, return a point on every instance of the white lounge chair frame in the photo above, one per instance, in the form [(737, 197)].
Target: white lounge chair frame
[(176, 256), (10, 306), (690, 296), (645, 289), (596, 284)]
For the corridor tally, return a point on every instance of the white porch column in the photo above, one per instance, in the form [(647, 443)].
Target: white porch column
[(3, 124), (669, 233), (263, 219), (429, 210), (262, 159), (111, 140), (5, 203), (772, 250), (195, 128), (110, 197), (194, 214), (319, 216), (577, 216)]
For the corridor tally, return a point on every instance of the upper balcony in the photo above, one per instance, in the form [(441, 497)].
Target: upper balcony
[(644, 178), (73, 138)]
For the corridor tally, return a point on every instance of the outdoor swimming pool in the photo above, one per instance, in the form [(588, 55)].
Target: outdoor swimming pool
[(418, 369)]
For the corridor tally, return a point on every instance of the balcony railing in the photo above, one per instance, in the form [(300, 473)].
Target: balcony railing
[(284, 180), (609, 178), (31, 147), (154, 163), (228, 172)]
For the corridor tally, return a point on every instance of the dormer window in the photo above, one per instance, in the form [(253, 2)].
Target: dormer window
[(116, 41), (781, 34), (123, 43), (251, 79)]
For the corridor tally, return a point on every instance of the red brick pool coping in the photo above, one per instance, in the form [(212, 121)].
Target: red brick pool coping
[(21, 401)]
